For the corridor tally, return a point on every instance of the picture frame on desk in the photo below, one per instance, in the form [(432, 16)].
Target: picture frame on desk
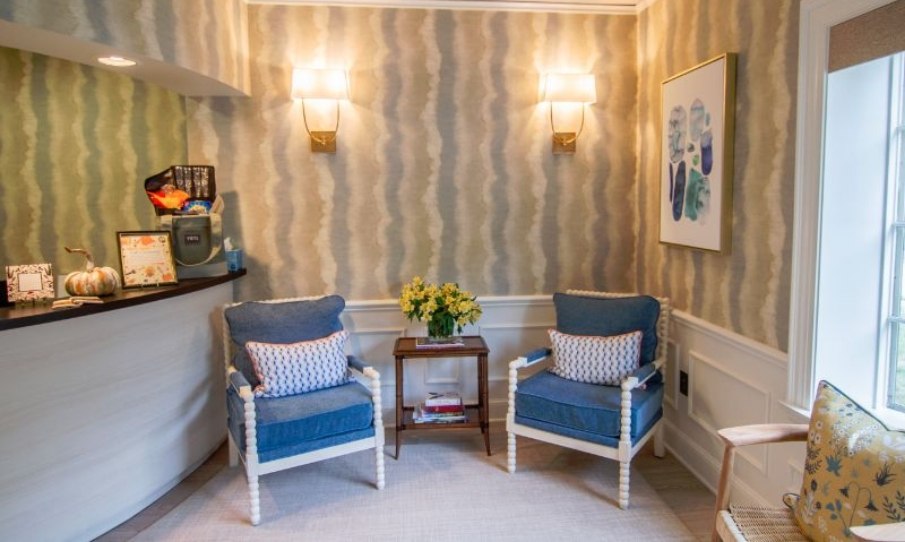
[(146, 258), (29, 283)]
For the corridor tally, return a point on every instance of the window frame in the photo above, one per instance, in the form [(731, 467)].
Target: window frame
[(894, 256), (816, 19)]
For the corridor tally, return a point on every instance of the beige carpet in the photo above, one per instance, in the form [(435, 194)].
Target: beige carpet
[(444, 487)]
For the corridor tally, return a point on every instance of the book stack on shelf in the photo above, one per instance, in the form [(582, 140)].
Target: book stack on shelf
[(445, 407)]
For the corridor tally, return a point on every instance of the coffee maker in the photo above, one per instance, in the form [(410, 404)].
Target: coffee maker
[(187, 205)]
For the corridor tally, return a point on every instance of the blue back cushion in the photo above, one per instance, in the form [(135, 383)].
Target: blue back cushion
[(281, 323), (586, 315)]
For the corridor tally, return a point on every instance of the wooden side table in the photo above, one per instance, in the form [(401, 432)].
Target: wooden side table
[(478, 415)]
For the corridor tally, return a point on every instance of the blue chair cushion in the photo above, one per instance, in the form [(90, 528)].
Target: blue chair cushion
[(577, 408), (587, 315), (281, 323), (310, 421)]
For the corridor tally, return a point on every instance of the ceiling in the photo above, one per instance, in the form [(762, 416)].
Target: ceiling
[(566, 6)]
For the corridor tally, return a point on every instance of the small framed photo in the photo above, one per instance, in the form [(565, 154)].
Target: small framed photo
[(29, 283), (146, 258)]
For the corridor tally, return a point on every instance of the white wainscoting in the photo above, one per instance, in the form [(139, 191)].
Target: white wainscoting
[(732, 381), (510, 325)]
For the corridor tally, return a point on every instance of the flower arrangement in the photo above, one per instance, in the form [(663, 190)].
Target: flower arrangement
[(444, 308)]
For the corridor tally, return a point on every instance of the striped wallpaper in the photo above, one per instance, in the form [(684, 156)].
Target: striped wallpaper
[(444, 167), (746, 291), (76, 144)]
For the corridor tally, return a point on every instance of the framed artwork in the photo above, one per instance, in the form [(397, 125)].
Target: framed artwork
[(29, 283), (698, 127), (146, 258)]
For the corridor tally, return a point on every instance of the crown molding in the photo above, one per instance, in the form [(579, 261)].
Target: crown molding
[(641, 5), (609, 7)]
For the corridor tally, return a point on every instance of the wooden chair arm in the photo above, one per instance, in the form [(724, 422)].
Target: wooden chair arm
[(766, 433)]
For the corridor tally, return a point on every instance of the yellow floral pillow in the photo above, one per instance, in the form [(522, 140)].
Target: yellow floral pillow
[(854, 470)]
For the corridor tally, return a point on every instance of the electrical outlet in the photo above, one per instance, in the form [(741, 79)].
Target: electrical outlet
[(683, 383)]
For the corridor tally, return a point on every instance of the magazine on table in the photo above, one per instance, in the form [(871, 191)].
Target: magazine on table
[(421, 416), (443, 398)]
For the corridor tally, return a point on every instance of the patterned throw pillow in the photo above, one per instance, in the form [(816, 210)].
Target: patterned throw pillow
[(854, 470), (288, 369), (593, 359)]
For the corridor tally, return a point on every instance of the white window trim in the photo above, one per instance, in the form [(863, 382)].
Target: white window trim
[(887, 374), (817, 17)]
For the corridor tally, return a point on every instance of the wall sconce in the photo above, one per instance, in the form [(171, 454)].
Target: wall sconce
[(323, 86), (568, 89)]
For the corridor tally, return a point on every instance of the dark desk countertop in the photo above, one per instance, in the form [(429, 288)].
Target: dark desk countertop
[(15, 317)]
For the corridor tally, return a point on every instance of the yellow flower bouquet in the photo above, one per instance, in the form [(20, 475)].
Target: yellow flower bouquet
[(445, 308)]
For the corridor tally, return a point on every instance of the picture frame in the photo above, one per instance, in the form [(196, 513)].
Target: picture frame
[(146, 258), (696, 161), (29, 283)]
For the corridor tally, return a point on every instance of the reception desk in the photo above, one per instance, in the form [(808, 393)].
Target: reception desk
[(104, 408)]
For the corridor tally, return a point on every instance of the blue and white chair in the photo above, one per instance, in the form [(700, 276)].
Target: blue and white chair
[(271, 434), (608, 421)]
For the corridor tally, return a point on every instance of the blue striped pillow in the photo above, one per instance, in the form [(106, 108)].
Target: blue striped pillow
[(594, 359), (289, 369)]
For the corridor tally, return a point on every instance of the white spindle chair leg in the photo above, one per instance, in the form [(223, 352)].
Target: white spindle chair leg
[(251, 462), (510, 459), (233, 452), (254, 495), (624, 470), (625, 441), (510, 417), (659, 445), (378, 431)]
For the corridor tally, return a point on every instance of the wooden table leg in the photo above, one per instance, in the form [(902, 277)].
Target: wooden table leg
[(485, 405), (399, 404)]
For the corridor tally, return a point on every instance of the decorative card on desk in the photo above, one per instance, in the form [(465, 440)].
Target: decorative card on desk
[(146, 258), (29, 283)]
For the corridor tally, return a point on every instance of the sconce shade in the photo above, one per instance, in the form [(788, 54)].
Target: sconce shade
[(315, 84), (570, 87)]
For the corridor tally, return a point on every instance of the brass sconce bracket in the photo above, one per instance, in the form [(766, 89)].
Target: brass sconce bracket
[(564, 142), (322, 141)]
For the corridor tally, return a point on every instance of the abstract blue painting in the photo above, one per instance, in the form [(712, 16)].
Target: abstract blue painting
[(696, 172)]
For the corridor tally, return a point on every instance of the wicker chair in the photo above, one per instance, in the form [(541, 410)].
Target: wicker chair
[(762, 524)]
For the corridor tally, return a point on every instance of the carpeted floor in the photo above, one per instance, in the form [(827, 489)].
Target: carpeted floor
[(444, 487)]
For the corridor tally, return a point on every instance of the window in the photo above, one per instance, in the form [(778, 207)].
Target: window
[(895, 377)]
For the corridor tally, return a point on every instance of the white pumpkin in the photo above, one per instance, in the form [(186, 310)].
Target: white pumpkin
[(93, 280)]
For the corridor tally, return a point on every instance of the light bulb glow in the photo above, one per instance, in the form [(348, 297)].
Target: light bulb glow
[(116, 61), (570, 87), (317, 84)]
